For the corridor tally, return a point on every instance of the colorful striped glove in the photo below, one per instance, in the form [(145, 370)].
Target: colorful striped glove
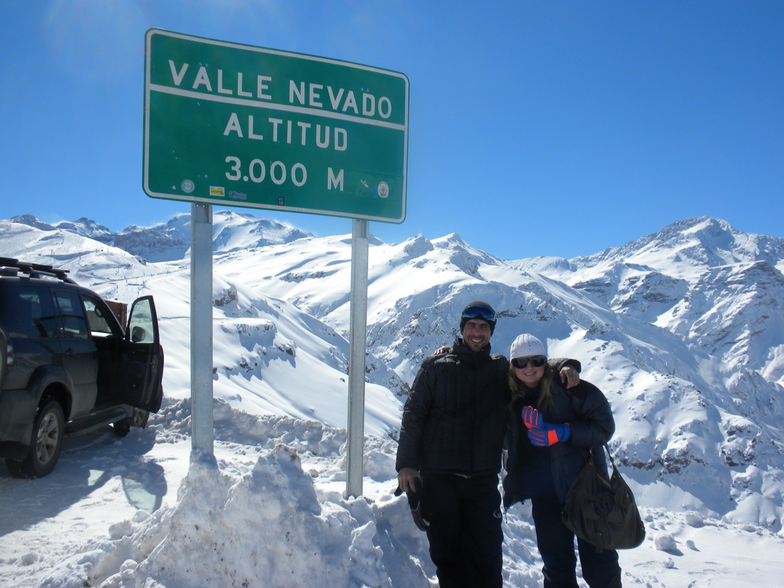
[(550, 434), (540, 432), (532, 417)]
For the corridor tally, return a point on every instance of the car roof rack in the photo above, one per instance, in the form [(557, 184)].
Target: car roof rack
[(35, 270)]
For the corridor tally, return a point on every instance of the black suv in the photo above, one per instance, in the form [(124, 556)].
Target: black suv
[(67, 364)]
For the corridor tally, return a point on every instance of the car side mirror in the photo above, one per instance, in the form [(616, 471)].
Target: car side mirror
[(138, 335)]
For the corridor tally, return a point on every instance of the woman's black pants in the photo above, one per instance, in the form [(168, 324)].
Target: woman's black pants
[(556, 546)]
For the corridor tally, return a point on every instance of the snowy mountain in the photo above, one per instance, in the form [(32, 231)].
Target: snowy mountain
[(171, 241), (700, 279), (683, 330)]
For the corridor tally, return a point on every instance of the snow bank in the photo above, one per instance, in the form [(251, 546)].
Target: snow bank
[(271, 525)]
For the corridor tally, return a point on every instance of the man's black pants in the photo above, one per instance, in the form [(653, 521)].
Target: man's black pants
[(465, 530)]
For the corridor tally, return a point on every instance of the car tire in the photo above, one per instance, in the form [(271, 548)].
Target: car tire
[(138, 419), (48, 432)]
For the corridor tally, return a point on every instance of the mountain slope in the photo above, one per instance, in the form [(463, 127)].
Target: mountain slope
[(682, 331)]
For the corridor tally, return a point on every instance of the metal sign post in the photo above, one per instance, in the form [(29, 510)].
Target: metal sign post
[(201, 327), (356, 366)]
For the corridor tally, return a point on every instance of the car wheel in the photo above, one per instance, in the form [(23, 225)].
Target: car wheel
[(138, 419), (48, 431)]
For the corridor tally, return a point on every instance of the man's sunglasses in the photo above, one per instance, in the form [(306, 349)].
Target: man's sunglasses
[(536, 361), (483, 312)]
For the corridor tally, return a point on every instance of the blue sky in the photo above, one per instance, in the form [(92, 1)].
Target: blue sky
[(535, 127)]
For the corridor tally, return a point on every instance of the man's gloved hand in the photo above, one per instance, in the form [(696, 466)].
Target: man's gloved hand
[(540, 432), (419, 512)]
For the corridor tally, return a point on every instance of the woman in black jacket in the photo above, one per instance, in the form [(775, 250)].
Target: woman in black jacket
[(551, 431)]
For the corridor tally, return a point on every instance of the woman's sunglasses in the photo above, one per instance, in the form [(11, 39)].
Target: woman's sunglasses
[(536, 361)]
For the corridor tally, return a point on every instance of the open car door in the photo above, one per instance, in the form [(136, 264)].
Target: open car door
[(141, 361)]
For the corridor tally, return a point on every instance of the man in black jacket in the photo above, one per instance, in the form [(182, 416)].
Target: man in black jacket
[(450, 442)]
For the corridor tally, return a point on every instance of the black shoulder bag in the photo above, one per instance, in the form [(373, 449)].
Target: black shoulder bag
[(602, 512)]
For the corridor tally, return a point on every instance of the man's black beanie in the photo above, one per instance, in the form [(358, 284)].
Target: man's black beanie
[(463, 320)]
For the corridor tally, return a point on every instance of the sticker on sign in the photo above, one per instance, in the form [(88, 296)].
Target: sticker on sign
[(238, 125)]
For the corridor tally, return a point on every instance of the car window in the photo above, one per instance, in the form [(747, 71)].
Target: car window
[(96, 319), (72, 315), (142, 324), (33, 314)]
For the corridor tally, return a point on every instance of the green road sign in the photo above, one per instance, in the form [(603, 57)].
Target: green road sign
[(236, 125)]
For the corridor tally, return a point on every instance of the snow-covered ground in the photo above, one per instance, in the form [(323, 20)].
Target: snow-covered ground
[(268, 510), (703, 455)]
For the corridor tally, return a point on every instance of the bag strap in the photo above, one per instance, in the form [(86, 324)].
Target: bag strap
[(609, 454), (607, 449)]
